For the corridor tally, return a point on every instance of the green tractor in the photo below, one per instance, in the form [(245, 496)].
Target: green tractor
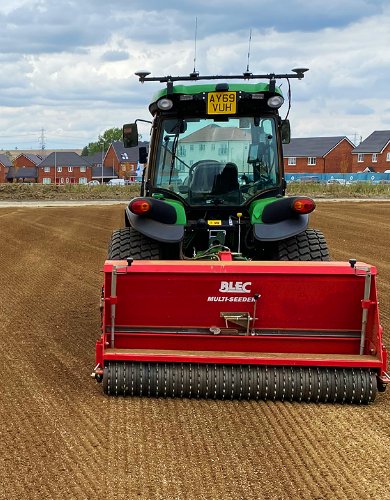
[(214, 176)]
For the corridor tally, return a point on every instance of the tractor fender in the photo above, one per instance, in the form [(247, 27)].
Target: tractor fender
[(281, 230), (159, 231)]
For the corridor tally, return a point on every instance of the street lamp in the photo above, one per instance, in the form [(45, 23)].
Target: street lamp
[(102, 161)]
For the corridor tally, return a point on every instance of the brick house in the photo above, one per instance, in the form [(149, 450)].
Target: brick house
[(100, 170), (373, 153), (27, 160), (123, 160), (5, 165), (319, 155), (24, 168), (64, 168)]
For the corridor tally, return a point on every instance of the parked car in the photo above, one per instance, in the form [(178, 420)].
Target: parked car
[(309, 179), (94, 183), (118, 182), (341, 182)]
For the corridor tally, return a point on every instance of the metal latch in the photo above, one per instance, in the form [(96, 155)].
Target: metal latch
[(242, 319)]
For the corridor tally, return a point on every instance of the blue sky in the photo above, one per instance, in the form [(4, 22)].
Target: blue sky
[(68, 67)]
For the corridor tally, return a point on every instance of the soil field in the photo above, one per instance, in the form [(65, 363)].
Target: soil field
[(60, 437)]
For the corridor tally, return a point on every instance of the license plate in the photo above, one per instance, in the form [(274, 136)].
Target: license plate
[(221, 103), (214, 222)]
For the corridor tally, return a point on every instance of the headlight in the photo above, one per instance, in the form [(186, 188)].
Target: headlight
[(164, 104), (275, 102)]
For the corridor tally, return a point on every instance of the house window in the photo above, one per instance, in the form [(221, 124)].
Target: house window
[(59, 169), (61, 180), (202, 147), (182, 150), (70, 169), (46, 180), (223, 150), (312, 160), (374, 158), (360, 157), (292, 160), (212, 147), (46, 170), (388, 157), (191, 147), (82, 180), (83, 169)]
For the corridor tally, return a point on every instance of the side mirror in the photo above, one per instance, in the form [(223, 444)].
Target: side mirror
[(130, 135), (286, 132), (143, 155)]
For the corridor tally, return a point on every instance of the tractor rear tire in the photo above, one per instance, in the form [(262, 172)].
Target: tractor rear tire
[(128, 242), (309, 245)]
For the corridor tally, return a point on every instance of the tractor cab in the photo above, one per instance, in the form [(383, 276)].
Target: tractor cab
[(211, 162), (215, 144)]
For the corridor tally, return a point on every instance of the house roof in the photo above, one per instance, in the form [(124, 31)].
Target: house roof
[(312, 146), (4, 160), (95, 158), (127, 154), (374, 143), (14, 153), (22, 173), (215, 133), (34, 158), (64, 159)]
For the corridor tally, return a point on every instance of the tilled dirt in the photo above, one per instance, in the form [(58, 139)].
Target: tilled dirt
[(62, 438)]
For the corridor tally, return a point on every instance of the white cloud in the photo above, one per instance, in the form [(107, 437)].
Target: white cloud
[(70, 69)]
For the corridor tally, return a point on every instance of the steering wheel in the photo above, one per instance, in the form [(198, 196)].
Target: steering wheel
[(253, 187), (199, 162)]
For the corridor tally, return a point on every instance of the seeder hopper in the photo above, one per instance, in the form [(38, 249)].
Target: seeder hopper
[(225, 329)]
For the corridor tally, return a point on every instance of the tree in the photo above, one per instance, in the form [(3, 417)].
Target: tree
[(104, 141)]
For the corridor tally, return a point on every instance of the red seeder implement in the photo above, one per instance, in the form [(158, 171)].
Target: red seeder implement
[(306, 331)]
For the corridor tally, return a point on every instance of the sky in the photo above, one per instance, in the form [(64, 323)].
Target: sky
[(67, 67)]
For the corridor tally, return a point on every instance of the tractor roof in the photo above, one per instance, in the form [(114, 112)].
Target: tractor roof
[(211, 87)]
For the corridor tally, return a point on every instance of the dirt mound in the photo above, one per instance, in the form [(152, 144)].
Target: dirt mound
[(18, 192)]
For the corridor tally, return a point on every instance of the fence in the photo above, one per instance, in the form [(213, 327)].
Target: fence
[(370, 177)]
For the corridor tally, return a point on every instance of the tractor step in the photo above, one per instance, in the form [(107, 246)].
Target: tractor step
[(258, 382)]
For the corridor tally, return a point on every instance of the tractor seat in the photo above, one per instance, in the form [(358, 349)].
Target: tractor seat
[(226, 183), (227, 180)]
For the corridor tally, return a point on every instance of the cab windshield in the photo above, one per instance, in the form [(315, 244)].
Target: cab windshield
[(217, 162)]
